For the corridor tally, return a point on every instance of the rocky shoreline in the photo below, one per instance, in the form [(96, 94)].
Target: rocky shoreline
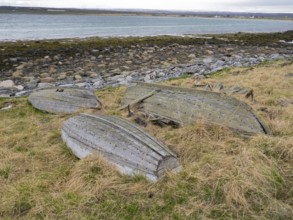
[(96, 67)]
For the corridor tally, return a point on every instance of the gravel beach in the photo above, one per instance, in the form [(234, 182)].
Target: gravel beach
[(96, 63)]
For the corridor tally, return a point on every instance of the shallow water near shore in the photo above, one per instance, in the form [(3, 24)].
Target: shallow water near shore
[(35, 27)]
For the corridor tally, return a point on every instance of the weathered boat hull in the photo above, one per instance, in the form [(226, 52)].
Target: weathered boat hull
[(184, 106), (124, 144), (63, 100)]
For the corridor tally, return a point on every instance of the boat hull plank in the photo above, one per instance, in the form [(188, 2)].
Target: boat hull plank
[(63, 100), (183, 106), (124, 144)]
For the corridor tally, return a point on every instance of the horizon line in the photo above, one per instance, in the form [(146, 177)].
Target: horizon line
[(146, 9)]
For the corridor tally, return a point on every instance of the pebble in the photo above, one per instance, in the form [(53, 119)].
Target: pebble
[(44, 75), (99, 84), (62, 76), (45, 85), (17, 74), (47, 80), (207, 60), (147, 78), (77, 77), (137, 63), (19, 87), (22, 93), (7, 84), (20, 67), (13, 60)]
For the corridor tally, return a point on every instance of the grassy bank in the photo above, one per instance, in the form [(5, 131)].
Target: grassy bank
[(224, 175)]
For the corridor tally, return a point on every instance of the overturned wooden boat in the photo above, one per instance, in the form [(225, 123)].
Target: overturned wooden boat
[(124, 144), (184, 106), (63, 100)]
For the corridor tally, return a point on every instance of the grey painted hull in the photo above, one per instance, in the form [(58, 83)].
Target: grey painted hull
[(184, 106), (63, 100), (124, 144)]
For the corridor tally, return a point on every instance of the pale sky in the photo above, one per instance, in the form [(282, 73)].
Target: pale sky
[(191, 5)]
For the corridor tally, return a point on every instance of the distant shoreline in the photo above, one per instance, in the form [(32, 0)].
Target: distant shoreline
[(100, 12)]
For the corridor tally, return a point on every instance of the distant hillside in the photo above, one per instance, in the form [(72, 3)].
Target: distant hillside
[(37, 10)]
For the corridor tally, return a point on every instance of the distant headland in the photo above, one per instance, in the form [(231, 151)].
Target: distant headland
[(147, 12)]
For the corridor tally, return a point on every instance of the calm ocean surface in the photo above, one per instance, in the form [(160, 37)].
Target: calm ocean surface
[(31, 27)]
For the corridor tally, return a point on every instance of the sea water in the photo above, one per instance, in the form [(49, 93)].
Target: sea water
[(32, 27)]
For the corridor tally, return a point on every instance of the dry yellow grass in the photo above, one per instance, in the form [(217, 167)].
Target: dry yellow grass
[(224, 176)]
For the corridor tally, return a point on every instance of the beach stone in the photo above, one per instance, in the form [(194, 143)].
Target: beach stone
[(19, 87), (45, 85), (147, 78), (52, 69), (237, 64), (99, 84), (161, 74), (7, 92), (7, 84), (13, 60), (191, 56), (17, 74), (81, 85), (62, 76), (31, 84), (115, 78), (92, 74), (67, 85), (20, 67), (56, 58), (216, 69), (208, 60), (61, 100), (209, 52), (229, 49), (219, 63), (93, 58), (129, 78), (77, 77), (22, 93), (276, 56), (44, 75), (47, 80), (117, 70)]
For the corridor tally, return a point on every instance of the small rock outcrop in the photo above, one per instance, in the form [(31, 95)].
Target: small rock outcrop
[(9, 89), (124, 144), (63, 100)]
